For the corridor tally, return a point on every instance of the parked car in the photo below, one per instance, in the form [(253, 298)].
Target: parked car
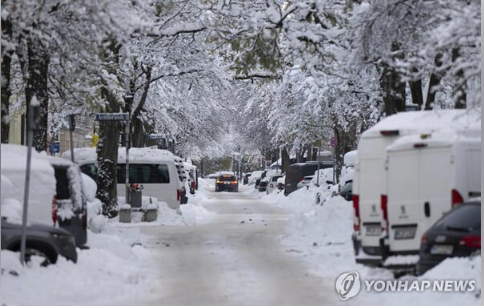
[(280, 182), (272, 183), (305, 181), (426, 176), (457, 234), (43, 241), (259, 179), (254, 176), (296, 173), (57, 195), (369, 176), (246, 178), (153, 168), (227, 182), (347, 191)]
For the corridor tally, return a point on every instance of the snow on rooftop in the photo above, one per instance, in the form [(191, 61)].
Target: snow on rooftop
[(427, 121)]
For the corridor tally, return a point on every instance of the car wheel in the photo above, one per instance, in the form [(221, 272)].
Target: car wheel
[(45, 259)]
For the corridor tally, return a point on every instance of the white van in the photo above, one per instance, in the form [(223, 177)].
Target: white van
[(369, 176), (153, 168), (426, 176)]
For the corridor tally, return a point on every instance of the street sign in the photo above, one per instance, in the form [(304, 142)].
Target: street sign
[(333, 142), (268, 163), (54, 147), (112, 117), (156, 137)]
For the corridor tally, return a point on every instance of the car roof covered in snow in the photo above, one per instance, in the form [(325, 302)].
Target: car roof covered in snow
[(82, 155), (426, 121), (350, 158), (438, 139)]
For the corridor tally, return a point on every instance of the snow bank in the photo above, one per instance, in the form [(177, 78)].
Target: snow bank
[(320, 235), (115, 269)]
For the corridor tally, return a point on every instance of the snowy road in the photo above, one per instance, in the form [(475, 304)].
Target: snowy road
[(235, 259)]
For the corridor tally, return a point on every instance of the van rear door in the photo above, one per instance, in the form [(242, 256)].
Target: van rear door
[(418, 194)]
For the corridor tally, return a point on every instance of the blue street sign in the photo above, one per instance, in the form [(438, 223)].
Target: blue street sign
[(54, 147), (112, 117)]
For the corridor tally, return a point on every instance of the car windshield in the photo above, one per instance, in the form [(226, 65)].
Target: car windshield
[(465, 217)]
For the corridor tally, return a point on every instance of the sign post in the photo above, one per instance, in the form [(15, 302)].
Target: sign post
[(123, 117), (32, 120), (333, 143), (72, 127)]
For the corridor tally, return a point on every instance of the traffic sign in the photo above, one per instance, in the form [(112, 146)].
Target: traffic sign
[(268, 163), (54, 147), (156, 137), (112, 116), (333, 142)]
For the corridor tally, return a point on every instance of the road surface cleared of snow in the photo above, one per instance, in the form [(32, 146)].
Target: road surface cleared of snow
[(235, 259)]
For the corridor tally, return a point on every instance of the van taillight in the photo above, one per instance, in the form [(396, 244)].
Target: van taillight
[(456, 198), (471, 241), (384, 209), (423, 240), (54, 209), (356, 207), (178, 195)]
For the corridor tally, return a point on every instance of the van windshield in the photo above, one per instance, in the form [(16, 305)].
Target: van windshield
[(138, 173)]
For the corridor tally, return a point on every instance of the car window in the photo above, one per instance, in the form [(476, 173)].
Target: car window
[(227, 178), (144, 173), (274, 178), (138, 173), (62, 183), (465, 217), (347, 188), (89, 170)]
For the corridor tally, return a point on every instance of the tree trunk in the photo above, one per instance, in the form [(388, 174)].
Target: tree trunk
[(460, 91), (36, 86), (417, 95), (6, 92), (393, 91), (433, 83), (286, 162), (107, 159)]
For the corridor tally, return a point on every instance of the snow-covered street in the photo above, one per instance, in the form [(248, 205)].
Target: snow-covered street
[(235, 259)]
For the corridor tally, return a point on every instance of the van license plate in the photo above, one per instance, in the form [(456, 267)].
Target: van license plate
[(373, 230), (405, 233), (442, 250)]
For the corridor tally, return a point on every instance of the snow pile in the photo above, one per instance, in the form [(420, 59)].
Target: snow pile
[(115, 269), (192, 213), (320, 234)]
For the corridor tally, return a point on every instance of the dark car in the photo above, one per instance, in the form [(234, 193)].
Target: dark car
[(296, 173), (227, 182), (42, 240), (457, 234), (263, 185), (347, 191), (257, 181), (246, 178)]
